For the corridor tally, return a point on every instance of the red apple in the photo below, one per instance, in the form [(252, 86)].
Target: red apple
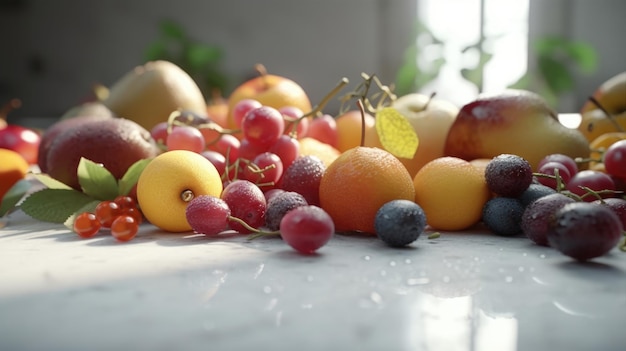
[(22, 140)]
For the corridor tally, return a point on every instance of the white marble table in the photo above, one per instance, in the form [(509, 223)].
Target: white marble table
[(462, 291)]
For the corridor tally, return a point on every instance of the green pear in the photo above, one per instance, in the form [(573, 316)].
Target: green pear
[(149, 93), (516, 122)]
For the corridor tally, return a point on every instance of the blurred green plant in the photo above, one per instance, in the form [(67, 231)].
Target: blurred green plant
[(416, 72), (200, 60), (557, 62)]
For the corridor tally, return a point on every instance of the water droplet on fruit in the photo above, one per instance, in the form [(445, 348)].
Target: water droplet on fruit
[(407, 261), (508, 279), (366, 257), (392, 263)]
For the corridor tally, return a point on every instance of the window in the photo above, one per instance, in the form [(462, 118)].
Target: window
[(475, 45)]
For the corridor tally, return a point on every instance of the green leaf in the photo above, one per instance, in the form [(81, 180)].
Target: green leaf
[(522, 83), (199, 55), (50, 182), (156, 51), (13, 196), (89, 207), (557, 75), (96, 181), (130, 178), (583, 55), (54, 205), (396, 133)]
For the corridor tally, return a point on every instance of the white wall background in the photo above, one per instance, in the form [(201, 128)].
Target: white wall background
[(53, 51)]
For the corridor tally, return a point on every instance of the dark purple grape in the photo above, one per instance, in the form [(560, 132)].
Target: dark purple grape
[(565, 160), (508, 175), (537, 215), (549, 169), (279, 205), (617, 205), (594, 180), (584, 230)]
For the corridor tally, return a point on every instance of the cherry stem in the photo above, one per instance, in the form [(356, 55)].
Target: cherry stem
[(608, 115)]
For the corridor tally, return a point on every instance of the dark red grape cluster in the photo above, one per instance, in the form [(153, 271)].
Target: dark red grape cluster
[(578, 212)]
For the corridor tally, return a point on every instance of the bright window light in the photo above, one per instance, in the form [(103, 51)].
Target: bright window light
[(457, 24)]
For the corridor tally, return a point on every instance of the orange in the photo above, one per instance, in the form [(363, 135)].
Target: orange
[(312, 146), (452, 193), (13, 167), (349, 129), (169, 182), (358, 183)]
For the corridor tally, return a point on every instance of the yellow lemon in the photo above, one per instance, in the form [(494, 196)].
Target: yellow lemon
[(169, 182)]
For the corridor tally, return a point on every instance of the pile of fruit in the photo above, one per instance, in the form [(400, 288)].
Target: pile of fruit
[(266, 162)]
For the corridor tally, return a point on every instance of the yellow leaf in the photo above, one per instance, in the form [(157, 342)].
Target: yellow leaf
[(396, 133)]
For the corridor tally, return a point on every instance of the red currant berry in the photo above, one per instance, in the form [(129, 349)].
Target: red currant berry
[(124, 228), (106, 212), (86, 225)]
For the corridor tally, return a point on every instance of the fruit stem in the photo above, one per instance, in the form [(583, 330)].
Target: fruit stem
[(359, 103), (608, 115), (257, 232), (430, 98), (13, 104), (318, 108), (187, 195), (263, 73)]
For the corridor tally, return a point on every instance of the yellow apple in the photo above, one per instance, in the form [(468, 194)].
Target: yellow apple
[(431, 119), (270, 90)]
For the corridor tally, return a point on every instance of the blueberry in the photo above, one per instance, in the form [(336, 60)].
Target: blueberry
[(503, 215), (399, 222), (535, 191)]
